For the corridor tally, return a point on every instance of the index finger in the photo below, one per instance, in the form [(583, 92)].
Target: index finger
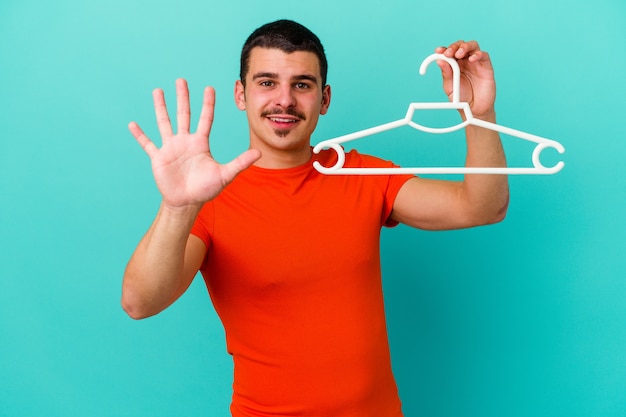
[(206, 115), (460, 49)]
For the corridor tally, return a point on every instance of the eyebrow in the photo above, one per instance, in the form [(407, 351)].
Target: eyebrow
[(264, 75), (302, 77), (306, 77)]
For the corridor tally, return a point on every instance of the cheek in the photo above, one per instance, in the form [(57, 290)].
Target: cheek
[(257, 103), (313, 105)]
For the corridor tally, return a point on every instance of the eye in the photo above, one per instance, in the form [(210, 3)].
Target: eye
[(266, 83), (301, 86)]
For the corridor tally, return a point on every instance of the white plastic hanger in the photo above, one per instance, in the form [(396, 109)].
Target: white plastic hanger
[(542, 143)]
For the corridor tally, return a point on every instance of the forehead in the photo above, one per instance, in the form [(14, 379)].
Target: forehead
[(276, 61)]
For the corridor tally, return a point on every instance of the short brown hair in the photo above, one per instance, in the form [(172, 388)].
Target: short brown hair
[(288, 36)]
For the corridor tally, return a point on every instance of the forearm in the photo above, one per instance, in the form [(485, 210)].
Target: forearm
[(153, 275), (486, 195)]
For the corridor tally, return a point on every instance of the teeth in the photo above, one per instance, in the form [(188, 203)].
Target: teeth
[(280, 120)]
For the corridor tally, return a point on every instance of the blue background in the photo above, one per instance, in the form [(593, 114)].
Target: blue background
[(524, 318)]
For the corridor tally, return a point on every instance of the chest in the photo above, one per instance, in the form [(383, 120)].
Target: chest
[(273, 237)]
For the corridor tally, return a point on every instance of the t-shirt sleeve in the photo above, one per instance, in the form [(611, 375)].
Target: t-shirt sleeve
[(203, 226), (394, 184), (389, 185)]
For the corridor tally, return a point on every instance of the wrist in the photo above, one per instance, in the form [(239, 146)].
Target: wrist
[(487, 116), (189, 211)]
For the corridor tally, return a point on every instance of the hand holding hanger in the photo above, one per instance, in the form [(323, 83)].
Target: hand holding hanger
[(477, 84), (469, 83)]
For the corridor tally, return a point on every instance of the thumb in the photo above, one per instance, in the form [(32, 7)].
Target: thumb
[(446, 75), (239, 164)]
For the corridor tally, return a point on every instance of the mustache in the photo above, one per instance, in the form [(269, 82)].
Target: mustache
[(289, 111)]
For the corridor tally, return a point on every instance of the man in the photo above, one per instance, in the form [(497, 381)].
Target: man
[(290, 256)]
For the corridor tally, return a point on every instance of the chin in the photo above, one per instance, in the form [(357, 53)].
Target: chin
[(282, 133)]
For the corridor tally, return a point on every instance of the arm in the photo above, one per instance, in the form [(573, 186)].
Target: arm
[(478, 199), (168, 257), (163, 265)]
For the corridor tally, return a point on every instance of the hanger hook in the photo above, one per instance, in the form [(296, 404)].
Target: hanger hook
[(456, 73)]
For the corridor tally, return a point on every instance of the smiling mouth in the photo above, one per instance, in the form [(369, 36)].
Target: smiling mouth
[(287, 115), (282, 120), (282, 125)]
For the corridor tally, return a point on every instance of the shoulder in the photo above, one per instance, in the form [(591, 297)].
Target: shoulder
[(204, 223), (356, 159)]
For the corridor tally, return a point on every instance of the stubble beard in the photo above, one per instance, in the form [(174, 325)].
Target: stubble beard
[(281, 133)]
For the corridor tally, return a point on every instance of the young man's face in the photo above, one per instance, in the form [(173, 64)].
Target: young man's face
[(283, 99)]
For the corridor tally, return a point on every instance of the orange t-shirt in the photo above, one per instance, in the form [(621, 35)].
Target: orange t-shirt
[(293, 270)]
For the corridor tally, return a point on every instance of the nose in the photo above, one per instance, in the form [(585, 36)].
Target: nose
[(285, 97)]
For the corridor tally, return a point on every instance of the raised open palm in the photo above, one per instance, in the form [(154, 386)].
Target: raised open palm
[(184, 170)]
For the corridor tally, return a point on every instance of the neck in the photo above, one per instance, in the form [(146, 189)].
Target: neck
[(283, 159)]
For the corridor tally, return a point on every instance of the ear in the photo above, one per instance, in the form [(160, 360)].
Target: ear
[(240, 95), (326, 93)]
